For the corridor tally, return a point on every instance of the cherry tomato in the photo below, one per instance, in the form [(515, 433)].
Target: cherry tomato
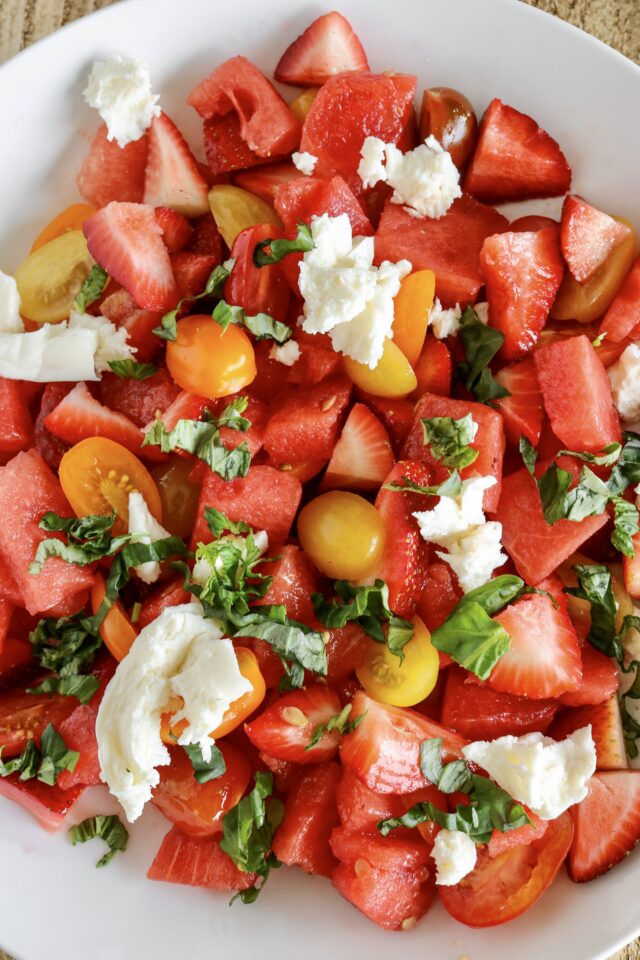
[(449, 116), (97, 476), (49, 279), (198, 808), (411, 311), (178, 495), (23, 717), (393, 376), (235, 209), (429, 829), (210, 361), (343, 534), (303, 102), (257, 289), (501, 888), (401, 683), (71, 218), (116, 630), (580, 610)]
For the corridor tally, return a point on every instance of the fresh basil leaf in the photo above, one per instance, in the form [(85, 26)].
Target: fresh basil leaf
[(627, 470), (450, 440), (340, 722), (231, 416), (595, 585), (109, 828), (553, 486), (588, 498), (92, 288), (455, 778), (496, 594), (472, 639), (203, 440), (46, 762), (262, 326), (219, 524), (480, 345), (131, 370), (248, 830), (625, 525), (26, 764), (369, 607), (606, 458), (80, 686), (168, 329), (292, 641), (450, 487), (278, 249), (430, 761), (233, 581), (89, 539), (529, 454), (67, 645), (205, 770), (630, 726)]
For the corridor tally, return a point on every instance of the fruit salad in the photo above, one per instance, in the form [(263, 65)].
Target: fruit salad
[(318, 484)]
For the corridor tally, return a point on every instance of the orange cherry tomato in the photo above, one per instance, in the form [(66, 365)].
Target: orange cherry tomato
[(178, 494), (209, 361), (449, 116), (392, 377), (71, 218), (303, 103), (97, 476), (343, 534), (116, 630), (411, 311), (198, 808)]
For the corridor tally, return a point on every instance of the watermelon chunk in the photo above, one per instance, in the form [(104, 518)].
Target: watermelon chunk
[(310, 814), (139, 400), (16, 429), (307, 421), (294, 580), (49, 805), (78, 731), (110, 172), (480, 713), (198, 862)]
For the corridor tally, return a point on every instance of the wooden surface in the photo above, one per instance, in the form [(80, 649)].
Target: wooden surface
[(617, 22)]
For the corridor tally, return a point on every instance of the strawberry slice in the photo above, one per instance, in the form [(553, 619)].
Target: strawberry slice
[(79, 415), (285, 729), (543, 659), (172, 177), (176, 229), (110, 172), (126, 240), (599, 680), (434, 368), (522, 412), (395, 413), (120, 308), (515, 159), (588, 236), (523, 272), (328, 46), (265, 181), (607, 824), (606, 730), (362, 457)]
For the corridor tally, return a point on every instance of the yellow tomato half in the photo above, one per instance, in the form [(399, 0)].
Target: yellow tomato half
[(50, 278), (402, 684), (393, 377), (235, 209), (411, 312)]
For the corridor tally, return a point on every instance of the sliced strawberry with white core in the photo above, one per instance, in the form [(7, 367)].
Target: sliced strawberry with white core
[(607, 824), (587, 237), (606, 730), (362, 457), (328, 46), (79, 416), (173, 178)]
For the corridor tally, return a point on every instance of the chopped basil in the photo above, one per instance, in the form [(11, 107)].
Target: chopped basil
[(262, 326), (45, 762), (88, 539), (92, 288), (606, 458), (626, 472), (131, 370), (294, 642), (480, 346), (219, 524), (339, 722), (278, 249), (205, 770), (80, 686), (529, 454), (109, 828), (625, 525), (67, 645), (450, 487), (248, 830), (369, 607), (450, 440), (168, 329)]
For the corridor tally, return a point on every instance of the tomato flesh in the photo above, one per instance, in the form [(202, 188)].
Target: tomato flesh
[(209, 361)]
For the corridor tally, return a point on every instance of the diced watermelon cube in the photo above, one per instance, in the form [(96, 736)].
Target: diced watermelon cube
[(197, 861), (310, 814), (139, 400), (317, 359), (294, 580), (49, 805), (302, 199), (167, 595), (16, 429), (360, 808), (307, 421), (110, 172), (79, 733), (267, 181)]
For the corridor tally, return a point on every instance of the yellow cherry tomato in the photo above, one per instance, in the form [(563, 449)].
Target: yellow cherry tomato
[(97, 476), (50, 278), (116, 630), (586, 302), (178, 494), (235, 209), (393, 377), (302, 104), (580, 610), (343, 534), (71, 218), (402, 684), (210, 361), (411, 311)]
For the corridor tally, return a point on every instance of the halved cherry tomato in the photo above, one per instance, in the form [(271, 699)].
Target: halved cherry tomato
[(116, 630), (393, 376), (501, 888), (580, 610), (23, 717), (71, 218), (198, 808), (97, 476), (449, 116), (401, 683), (411, 312), (210, 361), (235, 209), (178, 494), (237, 712), (49, 279), (303, 102), (343, 534)]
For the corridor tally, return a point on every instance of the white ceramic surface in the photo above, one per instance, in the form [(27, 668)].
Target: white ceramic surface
[(53, 903)]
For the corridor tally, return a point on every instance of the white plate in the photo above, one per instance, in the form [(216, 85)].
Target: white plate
[(54, 904)]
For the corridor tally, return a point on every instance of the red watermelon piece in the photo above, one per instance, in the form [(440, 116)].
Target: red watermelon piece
[(310, 814), (110, 172)]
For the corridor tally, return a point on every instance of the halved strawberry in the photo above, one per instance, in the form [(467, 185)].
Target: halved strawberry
[(395, 413), (120, 308), (622, 319), (362, 457), (186, 406), (126, 240), (522, 411), (434, 368), (79, 415), (110, 172), (607, 824), (588, 236), (543, 659), (176, 229), (515, 159), (606, 730), (523, 272), (285, 729), (403, 568), (310, 814), (265, 181), (599, 679), (328, 46), (172, 177), (197, 861)]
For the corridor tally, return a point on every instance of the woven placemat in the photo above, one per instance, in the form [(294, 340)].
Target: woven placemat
[(617, 22)]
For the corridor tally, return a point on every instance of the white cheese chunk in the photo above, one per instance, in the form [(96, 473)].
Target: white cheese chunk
[(179, 654), (288, 353), (10, 319), (52, 353), (444, 323), (548, 776), (455, 855), (144, 528), (475, 555), (624, 375), (112, 341), (482, 312), (120, 90), (304, 162)]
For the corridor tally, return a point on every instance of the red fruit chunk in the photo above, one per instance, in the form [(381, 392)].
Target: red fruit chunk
[(257, 289), (622, 319), (8, 586), (349, 108), (588, 236), (395, 413), (386, 853), (79, 416), (599, 679), (404, 568), (120, 308), (440, 595), (543, 659), (522, 412), (28, 489), (267, 180), (198, 862), (317, 360), (285, 729), (16, 429), (6, 613), (186, 406), (480, 713), (110, 172), (434, 369), (523, 272), (606, 730), (176, 229), (383, 749), (533, 221), (521, 836), (607, 824), (515, 159), (449, 246), (310, 814), (172, 176), (267, 125), (126, 240), (49, 805), (328, 46), (191, 272), (50, 448), (309, 197), (535, 546), (362, 457), (79, 733), (631, 569), (206, 237), (294, 580), (360, 808), (345, 648), (489, 440), (266, 499), (573, 381), (307, 421), (168, 595), (24, 716), (224, 146), (139, 400)]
